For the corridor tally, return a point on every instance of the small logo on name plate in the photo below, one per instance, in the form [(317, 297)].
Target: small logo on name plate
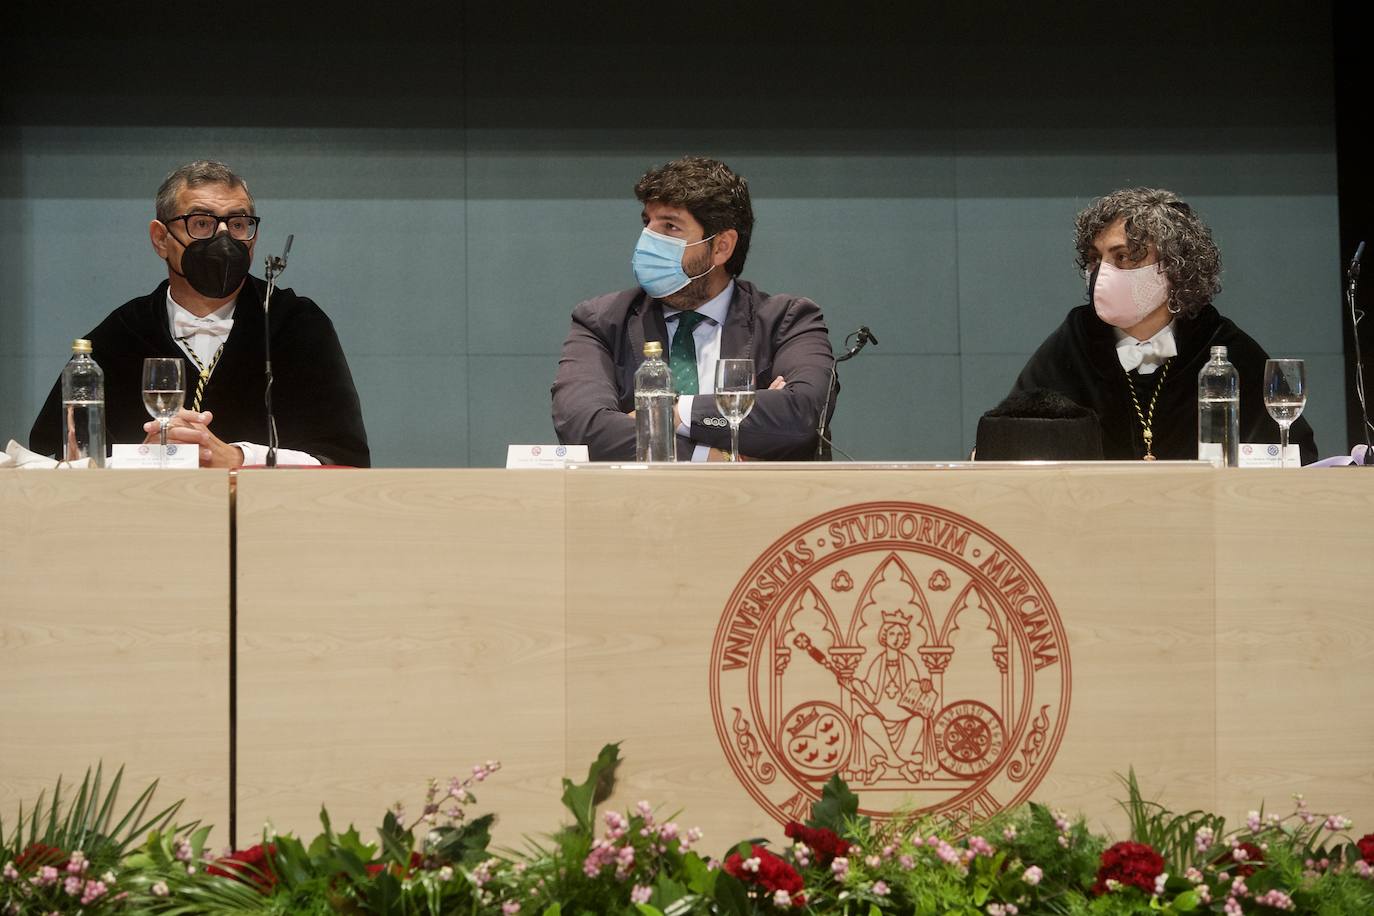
[(902, 646)]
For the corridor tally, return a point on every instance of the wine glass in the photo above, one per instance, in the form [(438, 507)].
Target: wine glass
[(164, 390), (1285, 395), (734, 395)]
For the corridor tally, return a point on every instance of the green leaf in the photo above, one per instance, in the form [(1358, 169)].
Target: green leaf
[(701, 878), (836, 807), (582, 799), (731, 897), (647, 910), (1186, 902), (666, 891), (553, 910), (397, 842)]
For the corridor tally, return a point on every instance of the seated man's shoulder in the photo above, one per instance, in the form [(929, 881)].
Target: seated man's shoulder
[(784, 308), (609, 308)]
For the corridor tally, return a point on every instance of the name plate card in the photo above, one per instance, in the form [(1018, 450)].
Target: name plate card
[(1266, 455), (545, 456), (148, 456)]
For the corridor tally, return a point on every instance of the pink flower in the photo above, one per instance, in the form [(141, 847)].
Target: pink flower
[(1276, 899), (160, 889), (840, 868), (980, 846), (880, 889), (510, 908), (782, 899), (641, 894), (94, 891), (1033, 875), (907, 862)]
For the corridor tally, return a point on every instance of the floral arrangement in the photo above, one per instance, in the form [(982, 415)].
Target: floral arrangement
[(77, 858)]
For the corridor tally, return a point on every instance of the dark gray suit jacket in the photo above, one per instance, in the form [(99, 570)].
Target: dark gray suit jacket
[(785, 335)]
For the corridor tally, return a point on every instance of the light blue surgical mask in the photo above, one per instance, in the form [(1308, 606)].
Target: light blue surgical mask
[(657, 263)]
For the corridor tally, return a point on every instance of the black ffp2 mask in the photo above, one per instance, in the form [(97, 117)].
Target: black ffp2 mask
[(215, 266)]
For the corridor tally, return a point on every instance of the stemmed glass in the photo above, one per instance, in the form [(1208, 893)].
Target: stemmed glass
[(734, 395), (164, 390), (1285, 395)]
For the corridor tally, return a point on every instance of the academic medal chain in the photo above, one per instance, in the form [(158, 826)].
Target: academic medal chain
[(1147, 419)]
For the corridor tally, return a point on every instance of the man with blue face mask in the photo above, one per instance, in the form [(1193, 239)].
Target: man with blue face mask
[(698, 222)]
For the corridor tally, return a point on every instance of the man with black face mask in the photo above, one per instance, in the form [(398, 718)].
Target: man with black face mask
[(209, 313)]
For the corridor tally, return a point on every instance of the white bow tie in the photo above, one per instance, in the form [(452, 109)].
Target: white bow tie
[(183, 326), (1145, 355)]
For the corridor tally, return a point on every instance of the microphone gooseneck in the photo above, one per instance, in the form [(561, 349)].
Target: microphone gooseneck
[(855, 342), (1352, 275), (276, 264)]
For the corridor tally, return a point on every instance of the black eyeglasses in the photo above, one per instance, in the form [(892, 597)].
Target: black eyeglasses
[(204, 225)]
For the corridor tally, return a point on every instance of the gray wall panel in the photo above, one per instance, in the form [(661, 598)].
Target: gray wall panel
[(428, 427)]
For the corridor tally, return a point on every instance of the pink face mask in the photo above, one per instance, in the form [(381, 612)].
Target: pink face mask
[(1123, 298)]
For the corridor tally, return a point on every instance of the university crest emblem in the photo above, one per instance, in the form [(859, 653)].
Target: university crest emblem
[(900, 645)]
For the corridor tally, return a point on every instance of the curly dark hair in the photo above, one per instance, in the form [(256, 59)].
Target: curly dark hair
[(715, 196), (1187, 254)]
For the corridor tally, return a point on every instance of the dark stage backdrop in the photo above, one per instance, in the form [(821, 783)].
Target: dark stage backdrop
[(459, 175)]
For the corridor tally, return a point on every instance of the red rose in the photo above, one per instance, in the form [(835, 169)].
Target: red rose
[(773, 874), (825, 843), (36, 855), (250, 866), (1366, 846), (1254, 857), (1134, 864)]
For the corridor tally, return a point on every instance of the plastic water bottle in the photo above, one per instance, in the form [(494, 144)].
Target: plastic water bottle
[(655, 418), (83, 407), (1218, 411)]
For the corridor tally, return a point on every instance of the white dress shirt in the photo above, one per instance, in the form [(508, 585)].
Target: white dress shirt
[(1145, 356), (706, 336), (201, 338)]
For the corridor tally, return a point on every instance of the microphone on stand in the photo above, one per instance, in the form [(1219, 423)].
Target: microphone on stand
[(276, 264), (853, 344), (1352, 276)]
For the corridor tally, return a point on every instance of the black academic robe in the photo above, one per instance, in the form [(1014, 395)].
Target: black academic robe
[(313, 397), (1079, 361)]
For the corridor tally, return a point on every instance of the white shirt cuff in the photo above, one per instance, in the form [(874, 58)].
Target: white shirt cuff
[(684, 409), (257, 454)]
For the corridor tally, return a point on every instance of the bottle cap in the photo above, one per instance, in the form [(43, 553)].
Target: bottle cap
[(653, 349), (81, 345)]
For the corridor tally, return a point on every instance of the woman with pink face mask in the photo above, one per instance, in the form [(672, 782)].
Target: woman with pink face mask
[(1133, 352)]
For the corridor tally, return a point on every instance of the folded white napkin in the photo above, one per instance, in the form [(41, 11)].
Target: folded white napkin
[(16, 456)]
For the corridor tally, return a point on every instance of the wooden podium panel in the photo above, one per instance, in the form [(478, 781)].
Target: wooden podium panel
[(114, 611), (655, 556), (1295, 648), (395, 626)]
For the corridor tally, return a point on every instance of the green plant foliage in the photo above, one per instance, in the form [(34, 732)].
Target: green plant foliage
[(1034, 859), (582, 799)]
